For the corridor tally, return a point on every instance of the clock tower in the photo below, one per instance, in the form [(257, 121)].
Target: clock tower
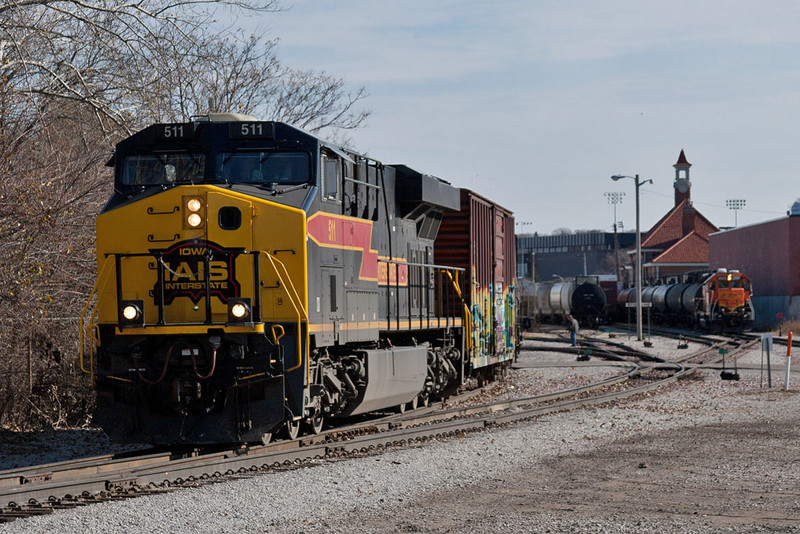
[(682, 184)]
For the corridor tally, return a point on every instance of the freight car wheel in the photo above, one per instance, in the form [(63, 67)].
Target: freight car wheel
[(266, 437)]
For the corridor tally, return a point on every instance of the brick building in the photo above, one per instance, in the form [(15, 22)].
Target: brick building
[(766, 252)]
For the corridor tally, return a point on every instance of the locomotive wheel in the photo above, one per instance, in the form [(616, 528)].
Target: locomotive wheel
[(266, 437), (401, 408), (314, 423), (291, 429), (423, 400), (413, 404)]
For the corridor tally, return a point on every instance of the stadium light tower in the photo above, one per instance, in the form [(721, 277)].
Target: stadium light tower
[(735, 204), (615, 198), (638, 253)]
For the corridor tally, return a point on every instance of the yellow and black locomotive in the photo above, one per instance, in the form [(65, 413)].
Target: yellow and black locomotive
[(253, 278)]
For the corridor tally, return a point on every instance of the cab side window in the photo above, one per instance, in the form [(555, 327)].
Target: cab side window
[(331, 176)]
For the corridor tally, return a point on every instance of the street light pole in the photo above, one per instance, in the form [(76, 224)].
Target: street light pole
[(638, 266), (638, 253)]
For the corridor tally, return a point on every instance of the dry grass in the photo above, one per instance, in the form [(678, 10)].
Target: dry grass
[(785, 327)]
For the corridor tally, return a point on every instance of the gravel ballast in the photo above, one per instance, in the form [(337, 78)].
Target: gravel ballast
[(703, 455)]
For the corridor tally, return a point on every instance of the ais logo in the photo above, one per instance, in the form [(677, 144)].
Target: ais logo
[(185, 273)]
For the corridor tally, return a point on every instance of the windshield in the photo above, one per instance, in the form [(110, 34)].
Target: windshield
[(163, 169), (264, 167)]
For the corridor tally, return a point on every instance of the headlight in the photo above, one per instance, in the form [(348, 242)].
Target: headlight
[(194, 205), (131, 313), (194, 220), (195, 212), (239, 310)]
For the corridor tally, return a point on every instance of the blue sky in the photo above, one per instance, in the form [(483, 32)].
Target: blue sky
[(536, 103)]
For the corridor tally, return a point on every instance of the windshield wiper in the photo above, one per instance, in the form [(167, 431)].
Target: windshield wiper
[(289, 189)]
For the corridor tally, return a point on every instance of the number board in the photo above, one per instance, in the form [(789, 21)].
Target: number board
[(167, 132), (259, 130)]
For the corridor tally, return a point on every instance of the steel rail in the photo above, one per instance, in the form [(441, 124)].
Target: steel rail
[(122, 478)]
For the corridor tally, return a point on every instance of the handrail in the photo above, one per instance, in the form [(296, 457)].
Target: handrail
[(449, 269), (275, 335), (90, 371), (467, 313), (294, 298)]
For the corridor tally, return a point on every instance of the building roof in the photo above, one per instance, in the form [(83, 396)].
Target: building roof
[(682, 161), (676, 224), (690, 249)]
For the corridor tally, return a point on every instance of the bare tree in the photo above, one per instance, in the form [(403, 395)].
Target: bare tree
[(75, 77), (104, 55), (131, 63), (245, 75), (316, 101)]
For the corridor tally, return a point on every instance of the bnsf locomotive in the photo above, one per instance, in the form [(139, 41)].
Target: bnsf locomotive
[(253, 278)]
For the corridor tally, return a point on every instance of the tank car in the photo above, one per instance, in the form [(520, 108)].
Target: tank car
[(689, 301), (544, 312), (622, 298), (253, 279), (721, 301), (659, 300), (561, 299), (673, 307), (552, 301), (588, 303)]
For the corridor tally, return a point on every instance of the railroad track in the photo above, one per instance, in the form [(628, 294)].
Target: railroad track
[(44, 489)]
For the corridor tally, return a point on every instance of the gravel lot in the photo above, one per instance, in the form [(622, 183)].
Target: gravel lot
[(702, 455)]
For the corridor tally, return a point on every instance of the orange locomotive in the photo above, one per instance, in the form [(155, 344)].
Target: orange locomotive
[(726, 303)]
